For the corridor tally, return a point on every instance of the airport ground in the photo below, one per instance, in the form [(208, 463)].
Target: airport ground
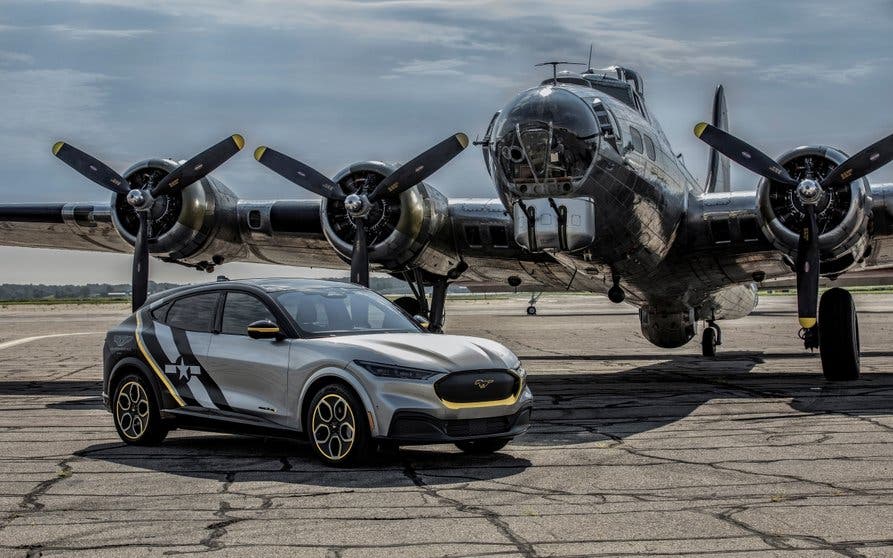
[(634, 450)]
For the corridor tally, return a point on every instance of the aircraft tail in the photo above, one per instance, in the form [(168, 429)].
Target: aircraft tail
[(718, 179)]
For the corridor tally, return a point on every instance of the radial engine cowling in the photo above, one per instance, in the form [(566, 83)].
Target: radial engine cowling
[(189, 225), (842, 213), (411, 230)]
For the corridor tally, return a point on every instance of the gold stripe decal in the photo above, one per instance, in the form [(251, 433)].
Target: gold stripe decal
[(510, 400), (153, 364)]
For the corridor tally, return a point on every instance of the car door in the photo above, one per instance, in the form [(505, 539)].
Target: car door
[(179, 340), (252, 373)]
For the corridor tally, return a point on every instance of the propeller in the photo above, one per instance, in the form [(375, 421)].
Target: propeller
[(143, 199), (359, 204), (809, 192)]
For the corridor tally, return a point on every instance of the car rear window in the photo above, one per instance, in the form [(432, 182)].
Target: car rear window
[(193, 313)]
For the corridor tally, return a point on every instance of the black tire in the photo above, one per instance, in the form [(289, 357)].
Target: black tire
[(531, 310), (839, 336), (135, 412), (409, 304), (336, 424), (708, 342), (484, 446)]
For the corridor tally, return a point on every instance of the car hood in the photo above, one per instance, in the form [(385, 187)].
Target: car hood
[(443, 353)]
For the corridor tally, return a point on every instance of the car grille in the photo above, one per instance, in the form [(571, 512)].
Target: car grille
[(477, 427), (477, 386)]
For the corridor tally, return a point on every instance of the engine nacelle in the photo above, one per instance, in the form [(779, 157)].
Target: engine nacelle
[(404, 232), (842, 214), (189, 225)]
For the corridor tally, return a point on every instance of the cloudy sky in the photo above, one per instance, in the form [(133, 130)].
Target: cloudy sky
[(333, 81)]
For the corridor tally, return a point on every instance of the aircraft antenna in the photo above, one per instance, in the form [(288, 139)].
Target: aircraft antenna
[(589, 64), (554, 64)]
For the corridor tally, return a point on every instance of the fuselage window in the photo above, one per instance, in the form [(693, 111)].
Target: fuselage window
[(240, 310), (649, 148), (636, 139), (193, 313)]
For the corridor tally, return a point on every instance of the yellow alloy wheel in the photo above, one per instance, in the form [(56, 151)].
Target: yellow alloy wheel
[(132, 410), (333, 427)]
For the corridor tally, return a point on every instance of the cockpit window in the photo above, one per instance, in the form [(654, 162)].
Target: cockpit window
[(636, 137), (618, 90), (546, 136)]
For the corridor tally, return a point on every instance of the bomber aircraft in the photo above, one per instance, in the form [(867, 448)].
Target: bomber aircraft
[(591, 197)]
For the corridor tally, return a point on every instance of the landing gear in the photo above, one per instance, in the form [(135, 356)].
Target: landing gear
[(531, 308), (838, 336), (418, 304), (616, 293), (710, 339)]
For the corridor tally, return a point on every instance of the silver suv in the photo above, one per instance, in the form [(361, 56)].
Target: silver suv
[(332, 362)]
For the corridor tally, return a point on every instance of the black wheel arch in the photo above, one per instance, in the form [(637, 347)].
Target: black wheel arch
[(320, 383), (132, 365)]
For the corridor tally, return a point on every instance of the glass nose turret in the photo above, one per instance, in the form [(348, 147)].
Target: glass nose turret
[(543, 143)]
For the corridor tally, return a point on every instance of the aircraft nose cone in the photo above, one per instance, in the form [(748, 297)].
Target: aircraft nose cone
[(543, 143)]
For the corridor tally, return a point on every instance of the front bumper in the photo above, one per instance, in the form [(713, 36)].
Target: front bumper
[(414, 427)]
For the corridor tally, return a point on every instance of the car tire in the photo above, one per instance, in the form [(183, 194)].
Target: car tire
[(135, 412), (337, 426), (483, 447)]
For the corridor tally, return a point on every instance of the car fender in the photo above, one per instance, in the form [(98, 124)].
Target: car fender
[(134, 363), (350, 379)]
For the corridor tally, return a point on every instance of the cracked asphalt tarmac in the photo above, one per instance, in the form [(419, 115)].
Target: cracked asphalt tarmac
[(634, 450)]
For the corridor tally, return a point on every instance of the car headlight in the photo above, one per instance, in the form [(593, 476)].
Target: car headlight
[(399, 372), (519, 370)]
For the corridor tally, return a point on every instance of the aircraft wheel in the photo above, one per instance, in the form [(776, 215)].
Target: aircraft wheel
[(531, 310), (708, 342), (839, 336), (409, 304)]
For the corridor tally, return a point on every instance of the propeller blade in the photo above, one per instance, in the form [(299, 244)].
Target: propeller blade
[(743, 153), (91, 167), (808, 269), (297, 172), (201, 165), (421, 167), (864, 162), (140, 280), (359, 258)]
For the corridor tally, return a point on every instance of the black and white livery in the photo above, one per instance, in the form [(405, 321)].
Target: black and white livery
[(591, 197), (334, 362)]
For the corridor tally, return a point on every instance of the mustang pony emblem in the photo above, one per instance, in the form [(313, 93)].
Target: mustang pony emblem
[(482, 384)]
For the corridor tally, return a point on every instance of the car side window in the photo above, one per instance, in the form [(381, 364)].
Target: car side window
[(193, 313), (160, 313), (240, 310), (649, 148), (637, 139)]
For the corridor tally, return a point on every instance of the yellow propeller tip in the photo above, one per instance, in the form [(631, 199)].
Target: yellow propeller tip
[(462, 139), (259, 152), (699, 128), (807, 322), (57, 146), (239, 141)]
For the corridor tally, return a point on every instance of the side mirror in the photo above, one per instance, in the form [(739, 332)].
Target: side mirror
[(264, 329), (421, 320)]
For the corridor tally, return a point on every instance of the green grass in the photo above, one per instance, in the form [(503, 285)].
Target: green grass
[(51, 301)]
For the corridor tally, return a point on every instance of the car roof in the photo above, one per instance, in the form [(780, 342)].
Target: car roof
[(268, 284)]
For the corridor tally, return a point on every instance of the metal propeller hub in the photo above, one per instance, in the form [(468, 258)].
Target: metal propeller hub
[(357, 205), (140, 200), (809, 191)]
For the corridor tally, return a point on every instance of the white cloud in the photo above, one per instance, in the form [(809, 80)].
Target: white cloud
[(12, 57), (816, 73)]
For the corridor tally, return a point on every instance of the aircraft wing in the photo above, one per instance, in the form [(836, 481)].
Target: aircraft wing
[(289, 232)]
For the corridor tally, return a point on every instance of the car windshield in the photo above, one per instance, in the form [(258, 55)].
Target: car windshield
[(343, 311)]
